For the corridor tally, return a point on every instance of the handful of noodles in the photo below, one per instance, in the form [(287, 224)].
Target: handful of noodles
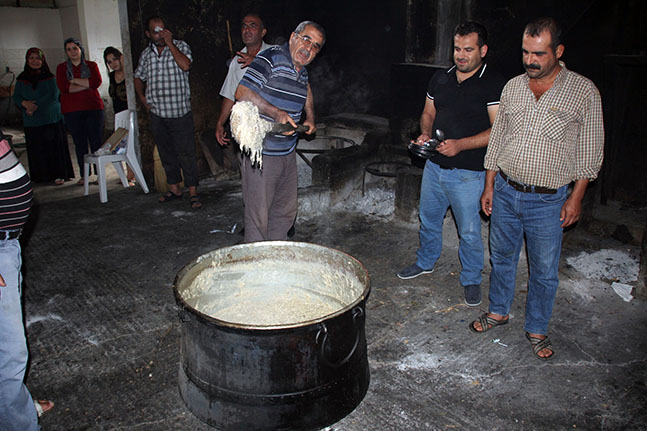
[(249, 129)]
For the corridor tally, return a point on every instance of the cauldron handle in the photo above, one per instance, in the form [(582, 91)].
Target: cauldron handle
[(357, 313)]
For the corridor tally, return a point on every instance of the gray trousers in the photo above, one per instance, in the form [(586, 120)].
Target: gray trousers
[(176, 146), (270, 197)]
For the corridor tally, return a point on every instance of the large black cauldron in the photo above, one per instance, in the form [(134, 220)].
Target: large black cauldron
[(272, 336)]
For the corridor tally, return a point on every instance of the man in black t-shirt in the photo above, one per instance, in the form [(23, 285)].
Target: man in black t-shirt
[(462, 102)]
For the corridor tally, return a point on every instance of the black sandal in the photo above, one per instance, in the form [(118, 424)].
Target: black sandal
[(487, 323), (169, 196), (539, 344), (195, 202)]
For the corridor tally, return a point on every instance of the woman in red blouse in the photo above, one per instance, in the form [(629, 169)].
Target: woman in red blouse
[(78, 80)]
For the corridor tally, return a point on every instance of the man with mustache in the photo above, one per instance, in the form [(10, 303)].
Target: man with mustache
[(462, 102), (164, 66), (548, 134), (252, 31), (277, 83)]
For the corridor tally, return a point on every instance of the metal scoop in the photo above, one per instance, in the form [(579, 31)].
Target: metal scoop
[(427, 149)]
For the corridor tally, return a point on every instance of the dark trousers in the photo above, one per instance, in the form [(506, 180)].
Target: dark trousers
[(176, 147), (48, 153), (86, 128)]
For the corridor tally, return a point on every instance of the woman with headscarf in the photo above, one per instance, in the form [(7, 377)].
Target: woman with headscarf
[(36, 95), (78, 80)]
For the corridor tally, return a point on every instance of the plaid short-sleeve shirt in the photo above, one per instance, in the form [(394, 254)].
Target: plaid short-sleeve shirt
[(167, 85), (551, 141)]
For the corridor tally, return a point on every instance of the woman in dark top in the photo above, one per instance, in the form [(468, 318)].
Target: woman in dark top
[(78, 80), (115, 60), (36, 94)]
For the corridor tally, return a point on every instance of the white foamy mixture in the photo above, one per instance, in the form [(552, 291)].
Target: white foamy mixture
[(249, 130), (271, 293)]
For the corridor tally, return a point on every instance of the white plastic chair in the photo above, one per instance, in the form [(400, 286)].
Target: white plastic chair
[(125, 119)]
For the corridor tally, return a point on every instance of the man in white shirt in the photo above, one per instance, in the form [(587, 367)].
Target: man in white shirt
[(252, 32)]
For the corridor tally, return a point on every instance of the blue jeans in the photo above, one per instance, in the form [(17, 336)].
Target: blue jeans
[(461, 189), (515, 214), (17, 411)]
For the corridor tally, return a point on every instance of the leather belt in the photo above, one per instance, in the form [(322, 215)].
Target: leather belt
[(526, 188), (9, 234), (444, 167)]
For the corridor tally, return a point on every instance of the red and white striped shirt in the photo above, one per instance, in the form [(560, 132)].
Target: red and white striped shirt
[(15, 190)]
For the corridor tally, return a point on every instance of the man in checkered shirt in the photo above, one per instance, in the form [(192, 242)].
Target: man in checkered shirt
[(548, 133), (164, 68)]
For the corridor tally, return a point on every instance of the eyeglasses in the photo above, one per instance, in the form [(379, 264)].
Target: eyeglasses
[(308, 42)]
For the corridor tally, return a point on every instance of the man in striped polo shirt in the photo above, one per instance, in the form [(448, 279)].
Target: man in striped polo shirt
[(277, 83), (18, 411)]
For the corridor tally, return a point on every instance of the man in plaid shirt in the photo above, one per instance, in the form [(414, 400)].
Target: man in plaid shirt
[(164, 66), (548, 133)]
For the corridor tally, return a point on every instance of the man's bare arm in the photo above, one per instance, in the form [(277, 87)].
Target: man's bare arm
[(225, 110), (245, 94), (182, 60), (488, 192), (451, 147), (139, 89), (427, 121), (309, 110), (572, 208)]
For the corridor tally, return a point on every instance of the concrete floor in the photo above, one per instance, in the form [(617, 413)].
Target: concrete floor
[(103, 326)]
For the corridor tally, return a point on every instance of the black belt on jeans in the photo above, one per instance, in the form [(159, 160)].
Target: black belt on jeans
[(9, 234), (525, 188)]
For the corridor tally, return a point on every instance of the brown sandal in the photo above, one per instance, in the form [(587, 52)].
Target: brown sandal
[(487, 323), (539, 344), (43, 406), (169, 196), (195, 202)]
